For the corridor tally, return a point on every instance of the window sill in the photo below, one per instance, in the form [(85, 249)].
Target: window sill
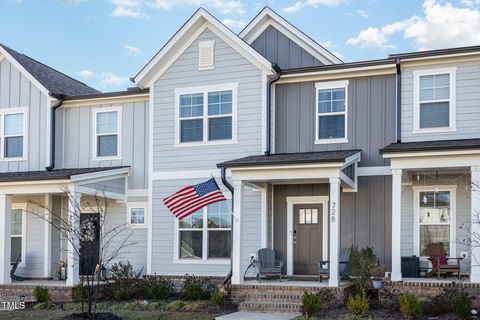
[(13, 159), (331, 141), (434, 130), (137, 226), (206, 68), (204, 144), (107, 158), (207, 262)]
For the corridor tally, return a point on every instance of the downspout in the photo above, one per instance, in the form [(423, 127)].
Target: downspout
[(60, 98), (229, 187), (268, 130), (399, 100)]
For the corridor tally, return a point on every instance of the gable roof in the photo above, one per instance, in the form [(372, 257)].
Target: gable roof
[(51, 80), (183, 38), (267, 17)]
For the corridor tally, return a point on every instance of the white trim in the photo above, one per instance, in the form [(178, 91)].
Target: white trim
[(185, 174), (137, 192), (23, 207), (102, 175), (209, 45), (416, 214), (24, 135), (263, 217), (95, 111), (264, 110), (341, 84), (334, 232), (269, 17), (205, 90), (452, 100), (151, 107), (137, 205), (474, 226), (1, 57), (373, 171), (291, 201), (47, 237), (396, 274), (433, 153)]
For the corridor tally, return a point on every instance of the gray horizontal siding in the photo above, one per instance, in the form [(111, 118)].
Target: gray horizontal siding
[(77, 140), (467, 103), (371, 118)]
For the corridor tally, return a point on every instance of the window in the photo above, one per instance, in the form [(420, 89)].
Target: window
[(12, 133), (434, 100), (206, 116), (107, 137), (331, 112), (18, 233), (206, 234), (137, 214), (308, 216), (435, 219), (206, 55)]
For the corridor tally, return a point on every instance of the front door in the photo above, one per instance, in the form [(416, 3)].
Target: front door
[(307, 238), (90, 244)]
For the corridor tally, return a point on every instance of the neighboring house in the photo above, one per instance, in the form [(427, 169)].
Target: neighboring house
[(321, 154)]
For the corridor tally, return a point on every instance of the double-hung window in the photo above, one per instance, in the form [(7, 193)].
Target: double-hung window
[(331, 112), (137, 215), (18, 233), (12, 133), (434, 100), (206, 234), (206, 115), (107, 134)]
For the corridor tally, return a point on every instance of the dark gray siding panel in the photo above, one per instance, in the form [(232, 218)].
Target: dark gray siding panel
[(278, 48), (371, 118)]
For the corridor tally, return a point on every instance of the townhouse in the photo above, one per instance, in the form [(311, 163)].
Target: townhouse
[(315, 154)]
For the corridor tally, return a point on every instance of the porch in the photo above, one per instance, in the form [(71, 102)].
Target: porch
[(33, 205)]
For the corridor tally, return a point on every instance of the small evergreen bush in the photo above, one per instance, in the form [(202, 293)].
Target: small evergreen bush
[(410, 306), (159, 288), (358, 304), (41, 295), (193, 289), (218, 297), (311, 303)]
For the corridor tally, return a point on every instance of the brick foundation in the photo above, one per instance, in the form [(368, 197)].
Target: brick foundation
[(15, 292)]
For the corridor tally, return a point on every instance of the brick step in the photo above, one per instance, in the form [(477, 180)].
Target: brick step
[(270, 296), (263, 306)]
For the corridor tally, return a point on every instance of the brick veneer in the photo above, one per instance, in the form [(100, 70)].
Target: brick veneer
[(13, 292)]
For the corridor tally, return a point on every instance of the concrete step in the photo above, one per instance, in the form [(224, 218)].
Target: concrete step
[(268, 306)]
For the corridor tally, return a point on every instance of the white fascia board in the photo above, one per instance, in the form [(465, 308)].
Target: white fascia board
[(106, 194), (436, 162), (103, 175), (434, 153), (269, 17), (200, 19)]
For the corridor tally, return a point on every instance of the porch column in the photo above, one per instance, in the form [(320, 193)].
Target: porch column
[(47, 237), (334, 218), (475, 225), (73, 243), (396, 224), (237, 232), (5, 237)]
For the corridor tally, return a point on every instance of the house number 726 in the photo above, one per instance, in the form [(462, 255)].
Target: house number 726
[(333, 211)]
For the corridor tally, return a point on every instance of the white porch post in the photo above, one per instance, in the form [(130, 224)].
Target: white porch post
[(5, 237), (73, 259), (334, 218), (264, 218), (47, 239), (475, 225), (396, 224), (237, 232)]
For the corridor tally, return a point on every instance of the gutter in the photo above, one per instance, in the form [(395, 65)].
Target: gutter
[(232, 190), (60, 98), (399, 99), (278, 71)]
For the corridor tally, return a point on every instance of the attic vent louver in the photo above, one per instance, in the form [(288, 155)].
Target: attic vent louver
[(205, 55)]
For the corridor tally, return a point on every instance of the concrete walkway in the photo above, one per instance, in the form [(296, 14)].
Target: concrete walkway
[(257, 316)]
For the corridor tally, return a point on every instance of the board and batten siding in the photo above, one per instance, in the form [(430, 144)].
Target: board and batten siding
[(113, 185), (371, 118), (78, 139), (279, 49), (16, 91), (467, 103)]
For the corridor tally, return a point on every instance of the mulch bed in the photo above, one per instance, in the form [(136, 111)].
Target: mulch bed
[(98, 316)]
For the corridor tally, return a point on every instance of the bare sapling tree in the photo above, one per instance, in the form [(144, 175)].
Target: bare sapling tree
[(471, 230), (96, 226)]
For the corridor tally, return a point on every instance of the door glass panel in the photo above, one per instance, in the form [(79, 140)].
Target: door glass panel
[(308, 216), (301, 216), (314, 216)]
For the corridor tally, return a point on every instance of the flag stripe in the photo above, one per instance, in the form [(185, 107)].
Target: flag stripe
[(212, 200), (181, 193), (199, 203), (182, 202)]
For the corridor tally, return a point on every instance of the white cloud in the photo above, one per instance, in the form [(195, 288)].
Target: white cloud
[(470, 3), (442, 25), (86, 74), (234, 24), (223, 6), (132, 51), (71, 2), (111, 80), (329, 44), (299, 5), (362, 13), (128, 8)]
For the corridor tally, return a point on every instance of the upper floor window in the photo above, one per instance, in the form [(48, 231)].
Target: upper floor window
[(137, 215), (206, 55), (206, 115), (107, 134), (13, 133), (434, 100), (331, 112)]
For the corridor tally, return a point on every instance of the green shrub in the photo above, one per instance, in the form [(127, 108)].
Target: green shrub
[(358, 304), (175, 305), (410, 306), (194, 289), (311, 303), (159, 288), (441, 303), (45, 306), (358, 265), (218, 297), (462, 305), (41, 294), (127, 282), (123, 292), (124, 271), (80, 292), (327, 299)]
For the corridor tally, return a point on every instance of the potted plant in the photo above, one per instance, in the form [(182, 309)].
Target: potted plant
[(377, 274)]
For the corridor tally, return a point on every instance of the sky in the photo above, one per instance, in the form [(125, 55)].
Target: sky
[(105, 42)]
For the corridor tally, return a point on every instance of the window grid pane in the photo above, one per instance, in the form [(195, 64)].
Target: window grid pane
[(13, 124), (107, 145), (331, 127), (107, 122), (191, 105), (191, 244), (219, 103), (191, 130), (137, 216), (220, 128), (13, 147), (435, 115)]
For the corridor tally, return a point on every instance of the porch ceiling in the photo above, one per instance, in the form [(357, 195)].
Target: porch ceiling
[(60, 174)]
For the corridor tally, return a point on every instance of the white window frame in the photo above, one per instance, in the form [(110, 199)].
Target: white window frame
[(23, 207), (95, 111), (204, 230), (6, 111), (206, 44), (205, 90), (452, 100), (416, 216), (342, 84), (137, 205)]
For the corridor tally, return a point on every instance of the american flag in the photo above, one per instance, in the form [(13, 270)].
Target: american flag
[(192, 198)]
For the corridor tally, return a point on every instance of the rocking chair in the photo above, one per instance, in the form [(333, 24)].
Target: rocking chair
[(439, 261), (14, 268)]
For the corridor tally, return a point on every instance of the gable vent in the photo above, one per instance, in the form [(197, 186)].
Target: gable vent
[(205, 55)]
